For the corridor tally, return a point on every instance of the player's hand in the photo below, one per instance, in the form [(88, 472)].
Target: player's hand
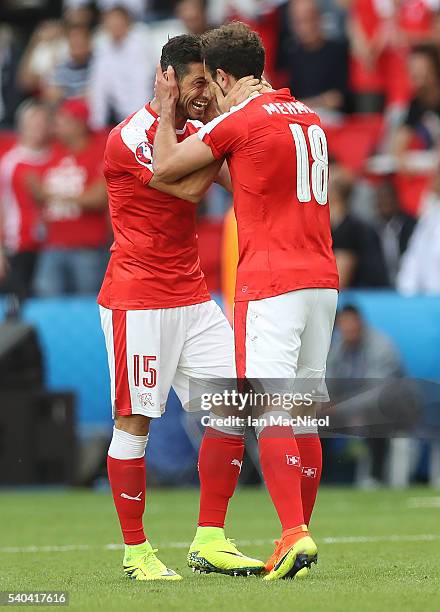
[(166, 88), (241, 91)]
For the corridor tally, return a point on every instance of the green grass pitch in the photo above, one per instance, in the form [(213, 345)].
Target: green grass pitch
[(378, 551)]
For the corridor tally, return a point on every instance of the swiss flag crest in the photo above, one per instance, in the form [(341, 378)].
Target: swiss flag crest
[(309, 472), (292, 460), (143, 154)]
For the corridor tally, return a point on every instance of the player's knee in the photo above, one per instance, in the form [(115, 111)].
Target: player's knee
[(305, 430), (226, 425), (135, 424), (272, 418), (309, 426), (130, 437)]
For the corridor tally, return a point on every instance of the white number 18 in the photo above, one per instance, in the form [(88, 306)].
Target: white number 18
[(319, 178)]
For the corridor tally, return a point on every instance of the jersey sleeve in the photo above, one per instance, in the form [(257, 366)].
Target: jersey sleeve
[(129, 153), (225, 134)]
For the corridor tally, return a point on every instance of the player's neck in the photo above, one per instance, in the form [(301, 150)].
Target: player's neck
[(180, 120)]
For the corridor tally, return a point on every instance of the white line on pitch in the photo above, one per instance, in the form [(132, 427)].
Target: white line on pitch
[(423, 502), (423, 537)]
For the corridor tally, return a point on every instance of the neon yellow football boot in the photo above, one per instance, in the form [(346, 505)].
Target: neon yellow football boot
[(212, 552), (141, 563), (294, 555)]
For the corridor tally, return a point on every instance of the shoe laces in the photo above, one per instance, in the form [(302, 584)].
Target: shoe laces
[(152, 563), (231, 542)]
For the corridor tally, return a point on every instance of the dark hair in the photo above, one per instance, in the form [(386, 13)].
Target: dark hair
[(180, 52), (431, 53), (350, 309), (234, 48)]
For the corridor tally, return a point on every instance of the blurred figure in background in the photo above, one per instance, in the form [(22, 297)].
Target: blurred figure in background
[(73, 198), (317, 68), (46, 48), (192, 14), (9, 58), (421, 127), (70, 78), (334, 18), (356, 244), (420, 266), (21, 231), (378, 74), (359, 352), (122, 69), (393, 226)]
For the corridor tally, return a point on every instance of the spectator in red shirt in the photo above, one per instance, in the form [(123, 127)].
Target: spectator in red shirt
[(20, 219), (378, 72), (74, 202)]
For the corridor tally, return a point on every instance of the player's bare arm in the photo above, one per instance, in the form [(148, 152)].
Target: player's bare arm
[(194, 186), (173, 160)]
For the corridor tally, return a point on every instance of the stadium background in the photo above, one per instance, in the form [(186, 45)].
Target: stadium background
[(370, 68), (376, 85)]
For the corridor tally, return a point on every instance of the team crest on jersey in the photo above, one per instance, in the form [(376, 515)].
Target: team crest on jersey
[(146, 400), (143, 154)]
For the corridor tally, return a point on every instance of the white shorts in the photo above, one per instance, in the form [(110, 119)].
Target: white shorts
[(286, 337), (150, 351)]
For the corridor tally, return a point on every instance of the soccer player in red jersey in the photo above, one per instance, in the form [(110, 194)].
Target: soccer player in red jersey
[(287, 281), (161, 327)]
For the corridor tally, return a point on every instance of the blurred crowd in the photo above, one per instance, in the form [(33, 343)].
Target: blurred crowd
[(370, 68)]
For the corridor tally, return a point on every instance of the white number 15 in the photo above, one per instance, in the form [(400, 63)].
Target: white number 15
[(319, 175)]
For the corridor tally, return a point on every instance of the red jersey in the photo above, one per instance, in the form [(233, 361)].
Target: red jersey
[(277, 155), (21, 216), (154, 261), (67, 175)]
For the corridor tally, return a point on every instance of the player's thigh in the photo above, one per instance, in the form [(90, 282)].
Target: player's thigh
[(315, 341), (267, 336), (206, 363), (142, 362)]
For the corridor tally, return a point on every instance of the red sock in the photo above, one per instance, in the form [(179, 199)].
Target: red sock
[(281, 467), (311, 464), (220, 459), (128, 483)]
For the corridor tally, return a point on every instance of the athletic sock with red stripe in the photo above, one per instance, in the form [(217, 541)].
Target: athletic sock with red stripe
[(281, 466), (127, 476), (220, 459), (310, 451)]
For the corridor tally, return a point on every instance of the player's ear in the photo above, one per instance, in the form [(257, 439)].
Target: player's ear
[(222, 77)]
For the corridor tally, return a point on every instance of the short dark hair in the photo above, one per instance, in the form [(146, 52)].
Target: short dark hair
[(234, 48), (181, 51), (350, 309), (431, 53)]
